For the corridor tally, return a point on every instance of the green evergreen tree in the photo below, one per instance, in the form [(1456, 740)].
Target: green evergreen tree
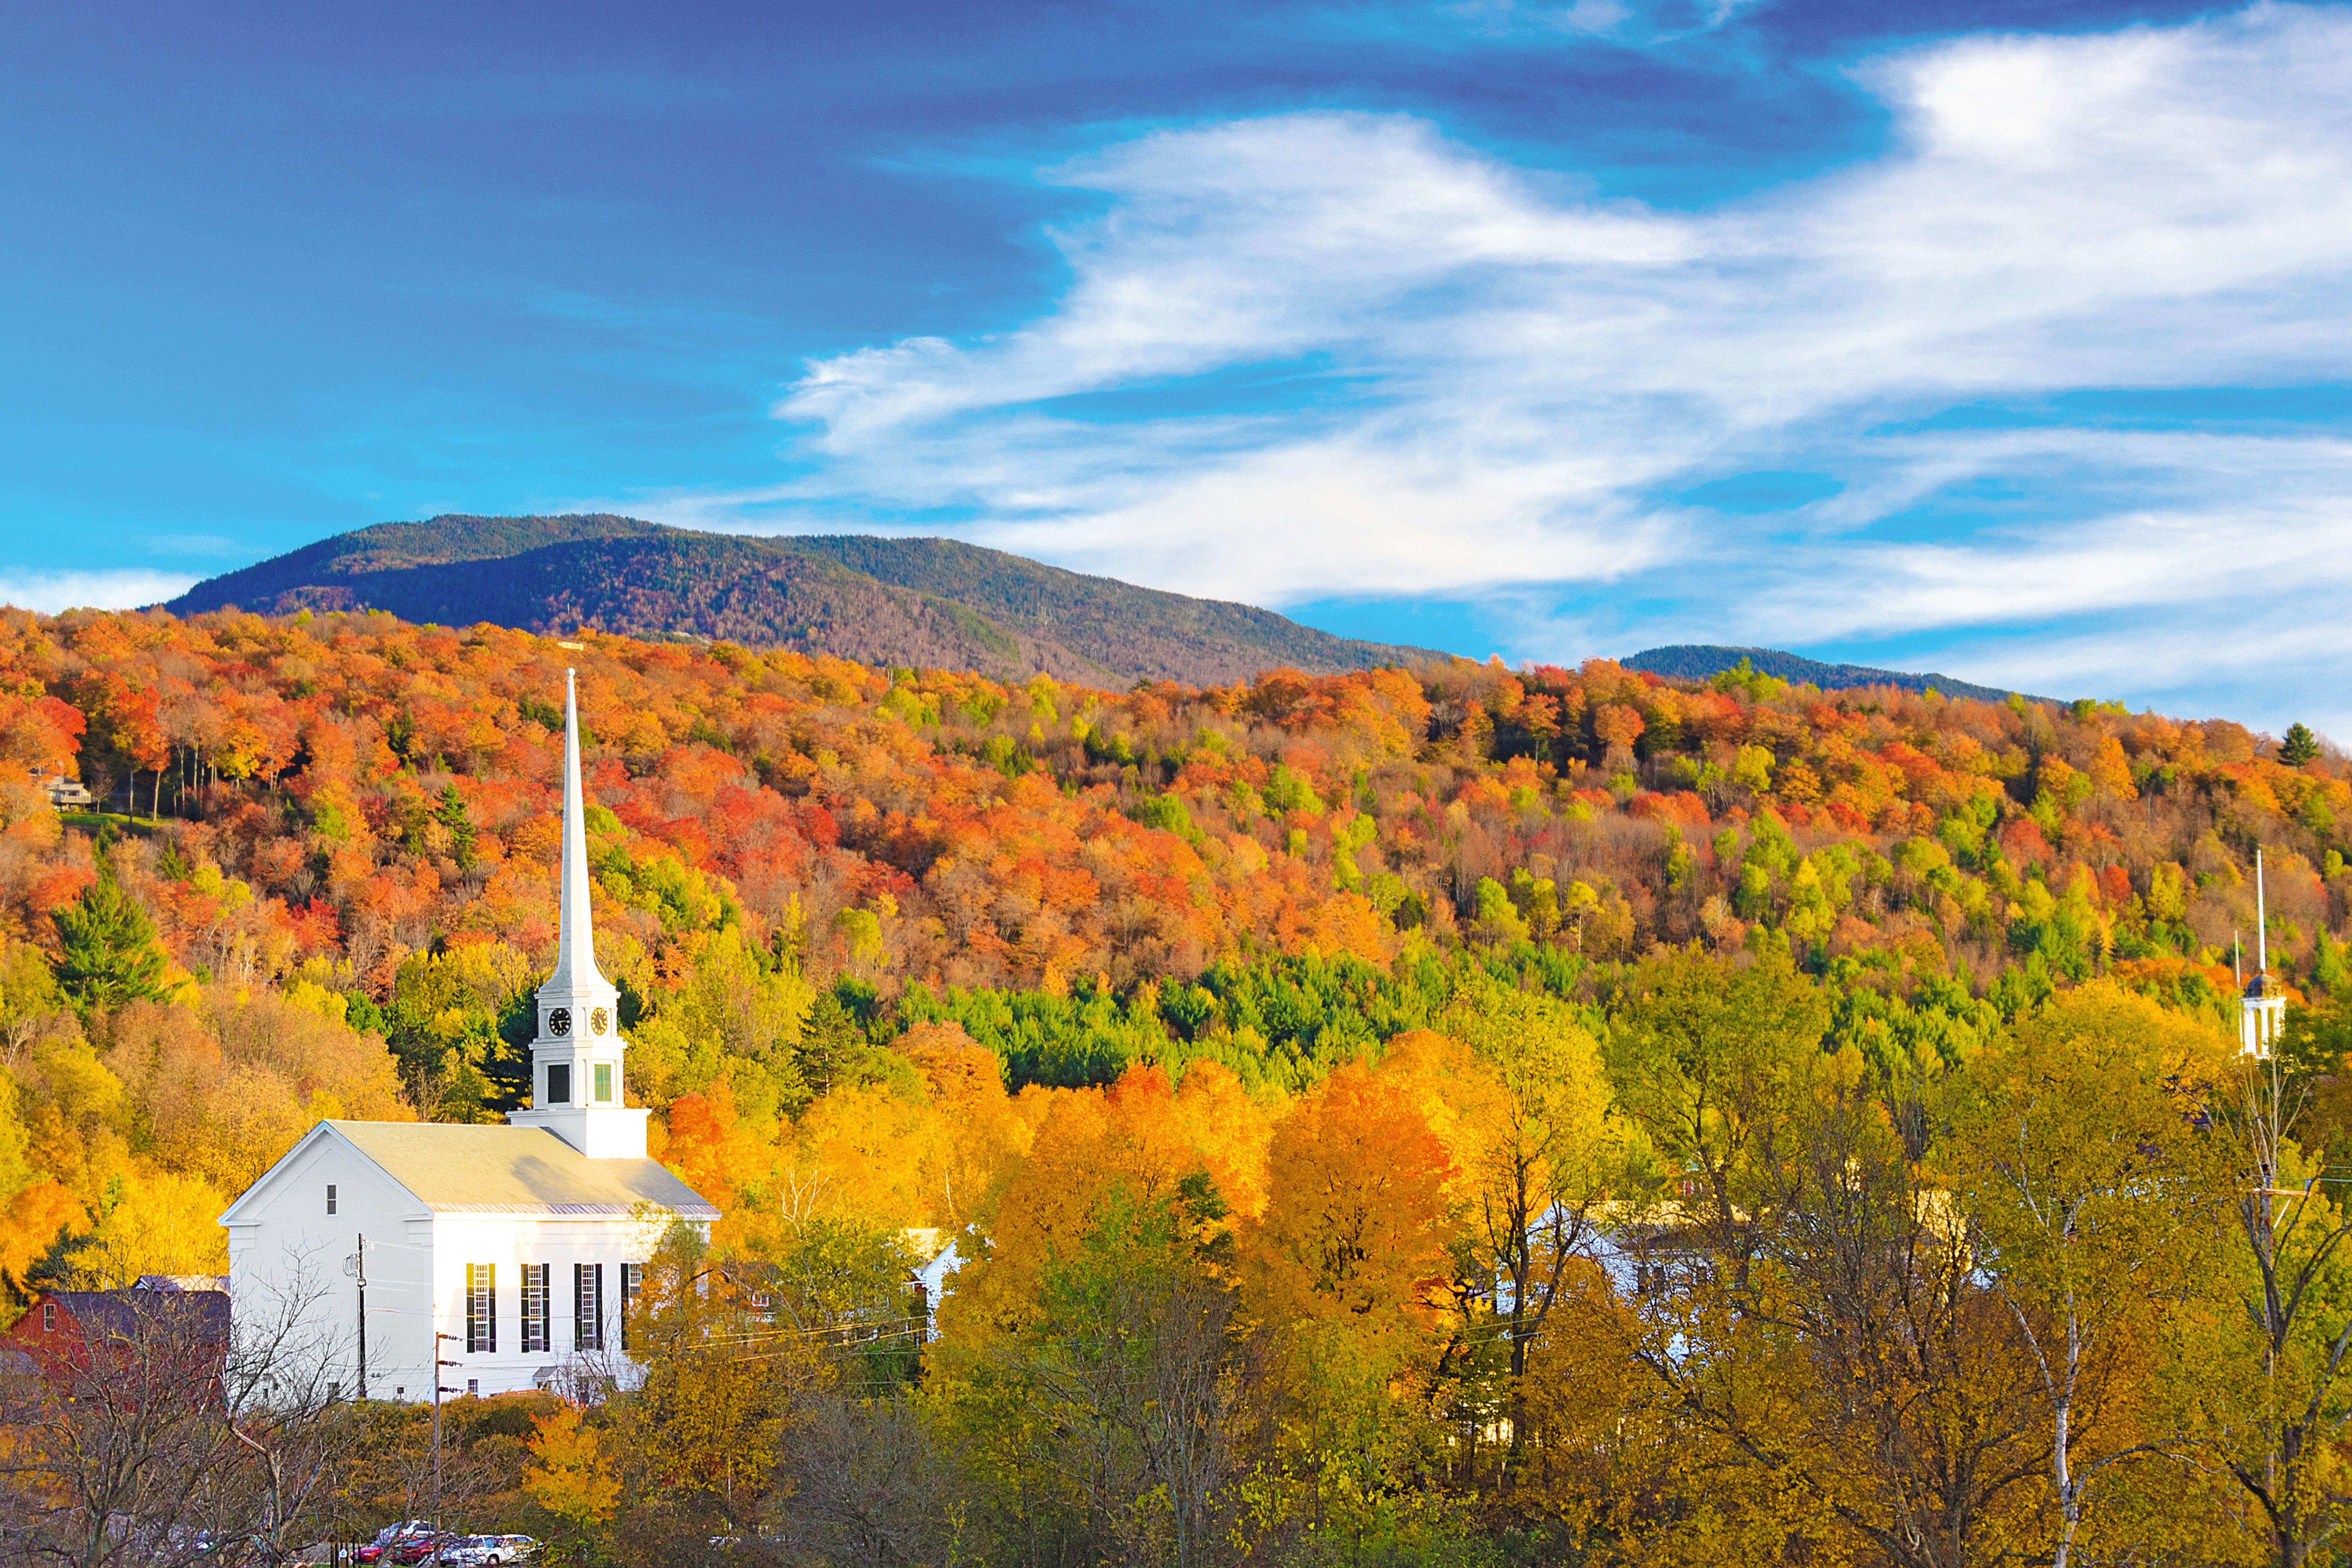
[(2299, 747), (451, 813), (107, 950), (2329, 971), (830, 1040)]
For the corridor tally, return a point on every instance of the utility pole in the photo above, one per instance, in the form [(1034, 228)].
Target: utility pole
[(438, 1392), (359, 1272)]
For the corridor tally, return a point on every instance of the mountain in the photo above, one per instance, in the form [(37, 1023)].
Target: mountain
[(928, 603), (1698, 661), (1111, 621)]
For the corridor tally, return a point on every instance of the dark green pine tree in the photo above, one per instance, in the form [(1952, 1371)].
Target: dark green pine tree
[(829, 1041), (451, 813), (2299, 747), (107, 950)]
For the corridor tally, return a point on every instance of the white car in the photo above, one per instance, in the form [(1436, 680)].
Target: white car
[(474, 1550)]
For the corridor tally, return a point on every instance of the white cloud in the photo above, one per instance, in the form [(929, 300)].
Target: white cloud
[(1518, 371), (1235, 244), (1353, 513), (50, 592), (1640, 23), (2186, 520)]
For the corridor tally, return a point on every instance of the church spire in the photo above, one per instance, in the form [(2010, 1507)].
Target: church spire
[(577, 1092), (575, 954), (2262, 921), (2262, 1001)]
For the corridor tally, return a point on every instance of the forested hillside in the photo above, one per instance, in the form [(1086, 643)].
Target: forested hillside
[(1704, 661), (933, 602), (1299, 1043)]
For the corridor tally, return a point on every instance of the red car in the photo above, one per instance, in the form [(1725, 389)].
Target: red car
[(412, 1552), (392, 1537)]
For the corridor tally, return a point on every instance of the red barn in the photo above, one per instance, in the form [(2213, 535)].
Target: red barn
[(182, 1320)]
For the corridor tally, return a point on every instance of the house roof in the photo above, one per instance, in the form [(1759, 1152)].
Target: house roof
[(200, 1314), (456, 1169)]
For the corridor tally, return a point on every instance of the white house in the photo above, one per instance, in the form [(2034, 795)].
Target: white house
[(521, 1244)]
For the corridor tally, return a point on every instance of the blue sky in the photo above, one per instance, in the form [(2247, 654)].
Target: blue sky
[(2001, 339)]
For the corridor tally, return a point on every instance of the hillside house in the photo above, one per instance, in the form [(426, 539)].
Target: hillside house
[(64, 1332)]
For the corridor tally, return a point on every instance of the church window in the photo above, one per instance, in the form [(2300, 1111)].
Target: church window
[(559, 1085), (587, 1306), (633, 1279), (534, 1307), (330, 1197), (473, 1388), (482, 1307), (603, 1083)]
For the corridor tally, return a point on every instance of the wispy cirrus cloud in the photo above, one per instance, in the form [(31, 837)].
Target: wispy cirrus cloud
[(1315, 355)]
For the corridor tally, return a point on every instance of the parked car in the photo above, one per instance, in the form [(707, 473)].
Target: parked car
[(474, 1551), (418, 1549), (391, 1536), (525, 1547)]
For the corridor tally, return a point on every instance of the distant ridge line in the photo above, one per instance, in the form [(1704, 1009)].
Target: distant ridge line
[(923, 602), (1699, 661)]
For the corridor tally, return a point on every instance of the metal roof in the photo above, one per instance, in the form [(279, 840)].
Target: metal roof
[(124, 1314), (456, 1169)]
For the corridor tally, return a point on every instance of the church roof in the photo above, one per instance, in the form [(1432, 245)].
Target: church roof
[(456, 1169)]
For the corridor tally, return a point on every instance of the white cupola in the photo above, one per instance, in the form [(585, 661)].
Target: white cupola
[(575, 1061)]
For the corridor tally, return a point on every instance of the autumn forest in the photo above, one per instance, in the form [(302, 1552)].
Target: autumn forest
[(1443, 1114)]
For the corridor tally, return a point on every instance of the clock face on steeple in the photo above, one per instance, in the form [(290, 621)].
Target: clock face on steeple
[(559, 1023), (599, 1021)]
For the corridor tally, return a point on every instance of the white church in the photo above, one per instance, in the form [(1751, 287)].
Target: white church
[(518, 1245)]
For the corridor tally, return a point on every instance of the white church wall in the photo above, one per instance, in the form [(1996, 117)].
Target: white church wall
[(286, 1250), (507, 1242)]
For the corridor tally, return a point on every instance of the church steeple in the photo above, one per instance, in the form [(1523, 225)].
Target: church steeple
[(575, 1061), (575, 947), (2261, 1007)]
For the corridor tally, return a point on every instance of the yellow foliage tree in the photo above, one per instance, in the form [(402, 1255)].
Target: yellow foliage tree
[(570, 1476)]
